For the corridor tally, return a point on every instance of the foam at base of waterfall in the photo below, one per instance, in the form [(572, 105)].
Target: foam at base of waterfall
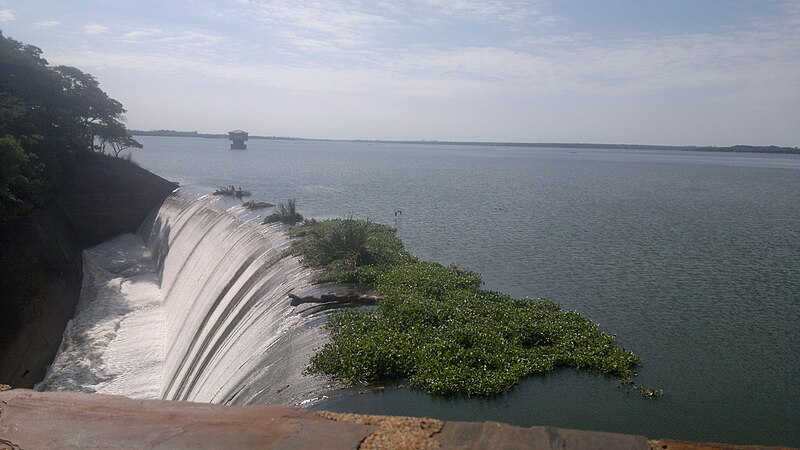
[(115, 342)]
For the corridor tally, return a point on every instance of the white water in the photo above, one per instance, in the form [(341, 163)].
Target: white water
[(195, 308), (114, 344)]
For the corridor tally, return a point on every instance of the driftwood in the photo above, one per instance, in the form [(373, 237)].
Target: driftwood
[(336, 297)]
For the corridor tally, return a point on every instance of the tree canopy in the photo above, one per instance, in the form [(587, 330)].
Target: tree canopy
[(49, 115)]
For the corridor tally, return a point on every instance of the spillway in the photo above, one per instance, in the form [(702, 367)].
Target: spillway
[(194, 308)]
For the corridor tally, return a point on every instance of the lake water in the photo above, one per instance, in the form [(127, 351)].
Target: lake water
[(691, 258)]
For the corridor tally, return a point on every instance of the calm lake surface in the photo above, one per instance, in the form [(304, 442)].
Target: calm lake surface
[(691, 258)]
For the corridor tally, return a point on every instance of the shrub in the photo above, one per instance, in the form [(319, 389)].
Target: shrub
[(286, 213), (231, 191), (350, 250), (21, 184), (252, 205)]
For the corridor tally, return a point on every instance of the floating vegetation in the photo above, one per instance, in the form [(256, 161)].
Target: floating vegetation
[(252, 205), (232, 192), (286, 213), (436, 329), (650, 392)]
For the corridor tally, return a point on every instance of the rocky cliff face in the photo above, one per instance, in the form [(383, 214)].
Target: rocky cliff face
[(40, 258)]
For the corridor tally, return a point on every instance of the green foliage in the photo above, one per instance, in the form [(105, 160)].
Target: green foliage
[(20, 182), (61, 105), (55, 114), (436, 329), (253, 205), (466, 344), (428, 279), (114, 138), (231, 191), (286, 213), (650, 392), (352, 250)]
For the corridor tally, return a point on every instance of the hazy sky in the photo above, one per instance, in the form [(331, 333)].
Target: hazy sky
[(702, 72)]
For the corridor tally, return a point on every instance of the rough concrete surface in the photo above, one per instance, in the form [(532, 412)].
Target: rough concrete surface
[(393, 432), (32, 420), (66, 420), (470, 435)]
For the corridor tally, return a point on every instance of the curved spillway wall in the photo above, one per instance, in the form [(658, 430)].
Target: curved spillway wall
[(219, 326), (231, 334)]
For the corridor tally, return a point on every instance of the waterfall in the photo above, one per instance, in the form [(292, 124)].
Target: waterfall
[(218, 327)]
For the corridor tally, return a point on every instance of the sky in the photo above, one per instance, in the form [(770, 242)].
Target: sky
[(670, 72)]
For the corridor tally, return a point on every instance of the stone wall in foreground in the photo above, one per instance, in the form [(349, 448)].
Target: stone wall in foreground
[(73, 420)]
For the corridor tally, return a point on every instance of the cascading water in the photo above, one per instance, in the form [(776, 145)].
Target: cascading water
[(194, 308)]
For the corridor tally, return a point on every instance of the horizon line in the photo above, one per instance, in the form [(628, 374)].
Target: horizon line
[(740, 147)]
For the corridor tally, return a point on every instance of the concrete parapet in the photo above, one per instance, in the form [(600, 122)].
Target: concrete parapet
[(72, 420)]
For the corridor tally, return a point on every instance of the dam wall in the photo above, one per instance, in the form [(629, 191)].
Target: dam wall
[(232, 335), (194, 307)]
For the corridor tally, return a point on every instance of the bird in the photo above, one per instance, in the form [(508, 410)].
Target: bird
[(398, 213)]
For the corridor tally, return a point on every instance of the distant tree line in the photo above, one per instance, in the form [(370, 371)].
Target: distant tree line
[(49, 116), (174, 133)]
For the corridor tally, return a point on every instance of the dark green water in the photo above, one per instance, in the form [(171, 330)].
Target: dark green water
[(691, 259)]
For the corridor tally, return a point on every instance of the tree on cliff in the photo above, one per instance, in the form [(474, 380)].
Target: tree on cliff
[(20, 182), (116, 138), (97, 116), (53, 114)]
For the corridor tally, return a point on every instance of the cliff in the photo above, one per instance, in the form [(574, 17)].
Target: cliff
[(40, 258)]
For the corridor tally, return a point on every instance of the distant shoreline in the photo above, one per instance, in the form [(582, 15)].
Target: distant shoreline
[(729, 149)]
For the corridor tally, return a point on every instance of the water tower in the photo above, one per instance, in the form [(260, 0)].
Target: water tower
[(237, 138)]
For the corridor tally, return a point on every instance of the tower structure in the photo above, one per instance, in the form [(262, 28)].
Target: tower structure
[(237, 138)]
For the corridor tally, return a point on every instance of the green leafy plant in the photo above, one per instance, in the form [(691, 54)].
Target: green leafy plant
[(436, 329), (650, 392), (50, 118), (20, 178), (253, 205), (230, 191), (349, 248), (286, 213)]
